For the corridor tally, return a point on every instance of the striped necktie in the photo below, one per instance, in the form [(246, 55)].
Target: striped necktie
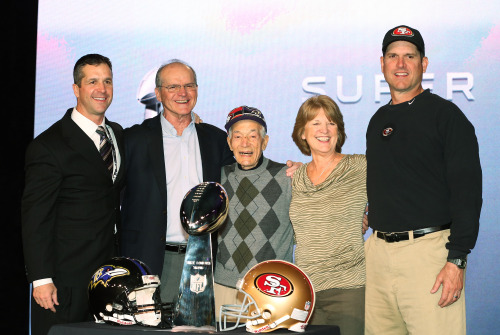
[(105, 149)]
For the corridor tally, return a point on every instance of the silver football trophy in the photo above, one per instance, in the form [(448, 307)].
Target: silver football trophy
[(203, 210)]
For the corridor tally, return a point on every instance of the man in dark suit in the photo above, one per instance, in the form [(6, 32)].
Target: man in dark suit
[(70, 205), (167, 156)]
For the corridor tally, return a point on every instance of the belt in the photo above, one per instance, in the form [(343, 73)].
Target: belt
[(178, 248), (405, 235)]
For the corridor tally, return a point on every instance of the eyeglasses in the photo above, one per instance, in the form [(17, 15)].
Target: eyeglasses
[(177, 88)]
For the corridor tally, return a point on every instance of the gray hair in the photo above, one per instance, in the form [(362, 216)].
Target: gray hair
[(158, 82), (262, 131)]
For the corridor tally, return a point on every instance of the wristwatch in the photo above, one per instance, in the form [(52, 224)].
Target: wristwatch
[(460, 262)]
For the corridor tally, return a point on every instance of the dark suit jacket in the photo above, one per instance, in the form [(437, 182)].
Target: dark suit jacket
[(144, 204), (70, 205)]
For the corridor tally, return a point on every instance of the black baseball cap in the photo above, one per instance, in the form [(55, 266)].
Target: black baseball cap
[(404, 33), (245, 113)]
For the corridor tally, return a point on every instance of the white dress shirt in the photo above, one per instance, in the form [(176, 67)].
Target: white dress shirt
[(183, 171)]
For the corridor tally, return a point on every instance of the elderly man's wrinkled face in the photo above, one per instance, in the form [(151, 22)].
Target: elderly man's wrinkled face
[(247, 143)]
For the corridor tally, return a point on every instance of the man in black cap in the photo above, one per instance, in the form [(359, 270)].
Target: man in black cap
[(258, 226), (424, 186)]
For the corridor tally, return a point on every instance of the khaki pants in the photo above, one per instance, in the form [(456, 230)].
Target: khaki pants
[(399, 278)]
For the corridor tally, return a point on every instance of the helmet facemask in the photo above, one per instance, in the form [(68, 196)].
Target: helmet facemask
[(140, 306), (248, 310), (145, 306)]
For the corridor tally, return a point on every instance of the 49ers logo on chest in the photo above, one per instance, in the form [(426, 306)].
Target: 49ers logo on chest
[(273, 284)]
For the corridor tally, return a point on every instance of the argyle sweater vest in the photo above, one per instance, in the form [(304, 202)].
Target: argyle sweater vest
[(258, 227)]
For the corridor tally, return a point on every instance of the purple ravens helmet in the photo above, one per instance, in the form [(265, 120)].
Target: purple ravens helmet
[(123, 291)]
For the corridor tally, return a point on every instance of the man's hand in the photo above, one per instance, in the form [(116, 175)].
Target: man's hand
[(46, 296), (292, 166), (365, 221), (452, 279)]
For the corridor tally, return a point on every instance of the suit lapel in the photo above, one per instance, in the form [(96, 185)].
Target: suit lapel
[(118, 132), (206, 152), (81, 143), (156, 154)]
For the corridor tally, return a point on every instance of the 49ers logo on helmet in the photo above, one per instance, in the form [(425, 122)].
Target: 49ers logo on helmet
[(274, 284)]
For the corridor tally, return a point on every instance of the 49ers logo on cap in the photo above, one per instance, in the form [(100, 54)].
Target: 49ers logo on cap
[(402, 31), (235, 113), (387, 131), (274, 285)]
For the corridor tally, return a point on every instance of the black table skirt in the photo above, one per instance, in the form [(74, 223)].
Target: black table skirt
[(92, 328)]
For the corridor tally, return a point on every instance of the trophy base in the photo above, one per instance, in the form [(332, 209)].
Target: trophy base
[(195, 307), (193, 329)]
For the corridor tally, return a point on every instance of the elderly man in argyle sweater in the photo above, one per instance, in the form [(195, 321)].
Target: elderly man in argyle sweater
[(258, 227)]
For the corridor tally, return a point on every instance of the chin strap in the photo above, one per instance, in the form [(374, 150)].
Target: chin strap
[(121, 319), (266, 327), (299, 327)]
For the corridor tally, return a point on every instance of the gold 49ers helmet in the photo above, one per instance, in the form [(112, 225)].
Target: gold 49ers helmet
[(277, 294)]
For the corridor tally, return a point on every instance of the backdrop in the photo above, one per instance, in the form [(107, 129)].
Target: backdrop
[(275, 54)]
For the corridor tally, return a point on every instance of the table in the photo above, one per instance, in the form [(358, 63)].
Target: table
[(92, 328)]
